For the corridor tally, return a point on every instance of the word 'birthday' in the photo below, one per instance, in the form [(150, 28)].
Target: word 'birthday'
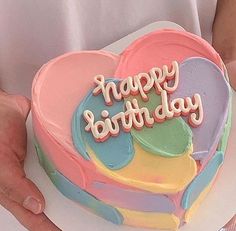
[(165, 81)]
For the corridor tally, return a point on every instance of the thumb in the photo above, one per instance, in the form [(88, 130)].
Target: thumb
[(21, 103), (18, 102), (15, 186)]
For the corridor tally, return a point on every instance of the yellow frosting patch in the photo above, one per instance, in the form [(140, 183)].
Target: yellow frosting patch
[(153, 173), (190, 212), (150, 220)]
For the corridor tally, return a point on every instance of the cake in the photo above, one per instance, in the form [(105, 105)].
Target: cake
[(138, 137)]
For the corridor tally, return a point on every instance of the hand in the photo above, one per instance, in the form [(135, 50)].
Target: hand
[(231, 68), (17, 193)]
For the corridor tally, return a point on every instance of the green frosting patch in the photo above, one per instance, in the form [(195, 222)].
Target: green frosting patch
[(48, 167), (224, 138), (170, 138)]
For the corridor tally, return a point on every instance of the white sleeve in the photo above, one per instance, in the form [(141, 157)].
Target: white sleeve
[(33, 32)]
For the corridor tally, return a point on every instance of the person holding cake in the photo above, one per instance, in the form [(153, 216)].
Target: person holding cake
[(17, 193)]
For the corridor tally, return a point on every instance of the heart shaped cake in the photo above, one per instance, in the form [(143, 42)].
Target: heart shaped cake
[(139, 137)]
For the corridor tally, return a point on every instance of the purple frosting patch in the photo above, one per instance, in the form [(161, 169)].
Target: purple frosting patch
[(199, 75), (132, 199)]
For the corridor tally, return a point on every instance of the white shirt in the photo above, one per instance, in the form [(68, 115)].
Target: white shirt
[(33, 32)]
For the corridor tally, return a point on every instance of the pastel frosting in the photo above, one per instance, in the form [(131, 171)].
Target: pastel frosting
[(76, 193), (121, 145), (172, 138), (153, 177), (215, 97), (202, 180), (116, 215)]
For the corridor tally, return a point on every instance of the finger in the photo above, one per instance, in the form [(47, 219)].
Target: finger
[(23, 104), (13, 134), (15, 186), (17, 102), (31, 221)]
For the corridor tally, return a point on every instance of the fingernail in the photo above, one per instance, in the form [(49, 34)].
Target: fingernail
[(33, 205)]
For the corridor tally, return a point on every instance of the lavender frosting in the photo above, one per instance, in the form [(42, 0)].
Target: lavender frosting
[(199, 75)]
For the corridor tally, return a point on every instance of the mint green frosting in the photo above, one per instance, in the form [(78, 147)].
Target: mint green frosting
[(224, 138), (170, 138)]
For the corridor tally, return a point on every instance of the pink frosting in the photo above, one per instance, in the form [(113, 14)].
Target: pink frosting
[(158, 49)]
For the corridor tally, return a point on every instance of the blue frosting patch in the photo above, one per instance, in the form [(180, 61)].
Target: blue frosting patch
[(202, 180), (75, 193), (115, 152)]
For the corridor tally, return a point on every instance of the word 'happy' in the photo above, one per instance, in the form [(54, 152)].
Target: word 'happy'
[(164, 81)]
